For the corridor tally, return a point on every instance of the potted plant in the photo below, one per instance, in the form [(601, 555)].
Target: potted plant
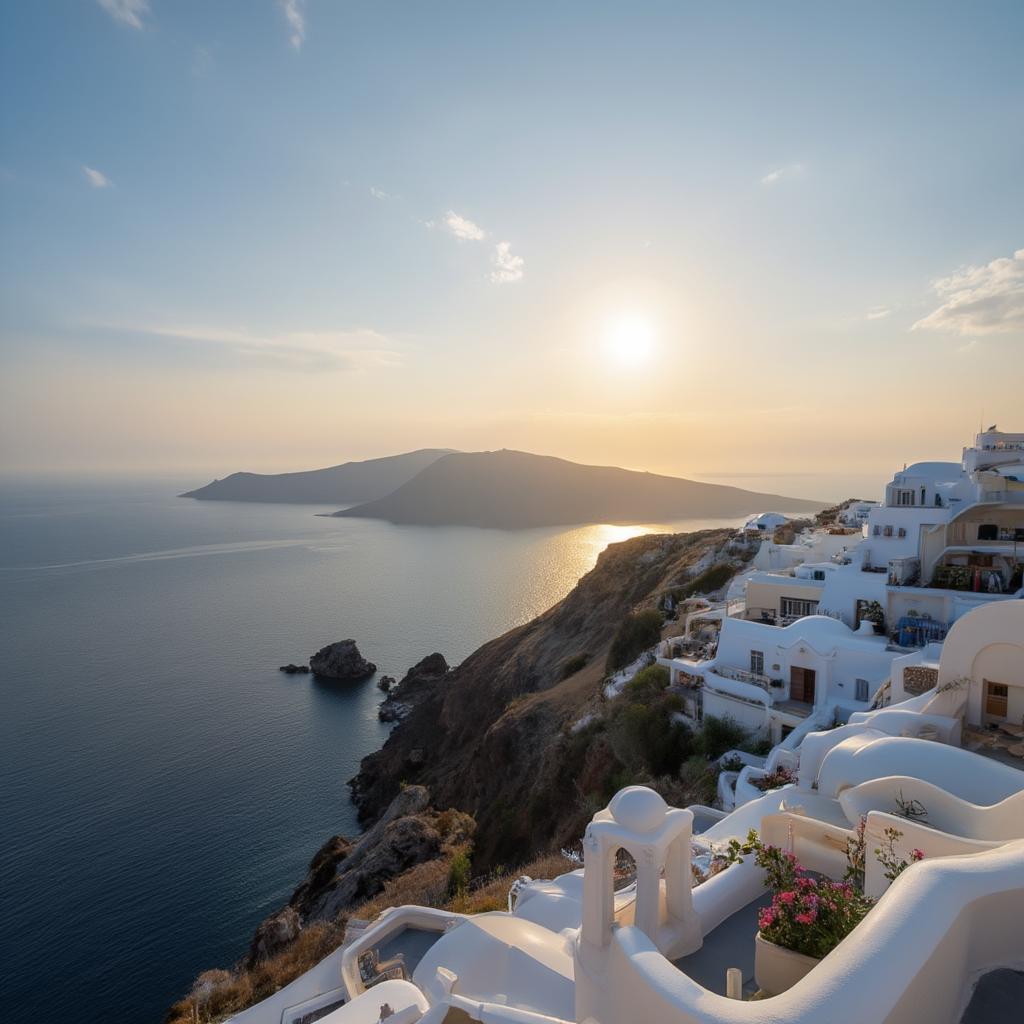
[(781, 776), (806, 919), (875, 614)]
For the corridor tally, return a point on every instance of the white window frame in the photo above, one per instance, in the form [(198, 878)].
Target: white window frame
[(796, 606)]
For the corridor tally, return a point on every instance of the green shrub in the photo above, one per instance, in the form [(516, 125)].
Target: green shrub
[(574, 665), (709, 580), (645, 738), (458, 875), (699, 780), (635, 635), (717, 735), (648, 683)]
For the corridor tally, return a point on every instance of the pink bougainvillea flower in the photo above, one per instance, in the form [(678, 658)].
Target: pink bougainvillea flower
[(807, 918), (787, 897), (916, 855)]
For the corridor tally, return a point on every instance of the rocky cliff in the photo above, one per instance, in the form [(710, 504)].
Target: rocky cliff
[(494, 737), (346, 873)]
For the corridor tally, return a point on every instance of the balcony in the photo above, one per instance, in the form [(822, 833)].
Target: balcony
[(974, 578), (742, 675), (770, 617)]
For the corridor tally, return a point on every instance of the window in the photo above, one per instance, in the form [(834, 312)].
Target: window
[(988, 531), (876, 530), (819, 574), (862, 689), (903, 531), (757, 662), (888, 531), (795, 607), (904, 497)]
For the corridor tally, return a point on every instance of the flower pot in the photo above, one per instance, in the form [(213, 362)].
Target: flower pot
[(777, 968)]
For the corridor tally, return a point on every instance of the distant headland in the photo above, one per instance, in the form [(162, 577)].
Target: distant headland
[(505, 489), (517, 490), (336, 485)]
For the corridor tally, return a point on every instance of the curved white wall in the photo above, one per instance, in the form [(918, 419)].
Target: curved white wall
[(944, 811), (966, 775)]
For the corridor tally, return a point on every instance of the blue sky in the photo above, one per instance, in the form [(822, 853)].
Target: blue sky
[(274, 235)]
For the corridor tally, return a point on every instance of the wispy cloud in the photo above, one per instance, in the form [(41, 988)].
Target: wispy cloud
[(507, 268), (96, 178), (296, 21), (783, 173), (379, 193), (878, 312), (355, 349), (980, 300), (127, 12), (461, 227)]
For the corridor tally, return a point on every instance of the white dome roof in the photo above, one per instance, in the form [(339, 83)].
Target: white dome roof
[(638, 808)]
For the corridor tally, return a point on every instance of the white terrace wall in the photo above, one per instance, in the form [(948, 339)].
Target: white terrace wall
[(911, 960)]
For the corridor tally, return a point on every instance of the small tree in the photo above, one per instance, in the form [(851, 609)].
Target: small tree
[(635, 635)]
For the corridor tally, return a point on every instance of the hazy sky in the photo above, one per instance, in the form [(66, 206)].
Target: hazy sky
[(685, 237)]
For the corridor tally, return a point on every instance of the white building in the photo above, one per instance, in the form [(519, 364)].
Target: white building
[(766, 523), (776, 680), (856, 512), (948, 538)]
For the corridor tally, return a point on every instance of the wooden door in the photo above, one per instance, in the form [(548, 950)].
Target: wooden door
[(801, 684), (996, 695)]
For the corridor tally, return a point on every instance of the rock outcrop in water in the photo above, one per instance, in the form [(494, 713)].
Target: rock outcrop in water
[(401, 699), (342, 661)]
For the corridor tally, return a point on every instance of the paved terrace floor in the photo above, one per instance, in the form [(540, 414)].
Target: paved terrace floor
[(998, 999), (731, 944)]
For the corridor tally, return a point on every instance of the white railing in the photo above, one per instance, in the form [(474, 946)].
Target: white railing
[(742, 675)]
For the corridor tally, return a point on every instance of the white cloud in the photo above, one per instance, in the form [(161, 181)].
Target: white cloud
[(128, 12), (96, 178), (878, 313), (507, 268), (461, 227), (296, 21), (980, 300), (780, 173), (379, 193), (360, 348)]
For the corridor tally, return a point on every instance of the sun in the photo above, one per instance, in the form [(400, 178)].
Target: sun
[(629, 340)]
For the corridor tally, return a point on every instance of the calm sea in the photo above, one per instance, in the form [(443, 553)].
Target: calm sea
[(163, 785)]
